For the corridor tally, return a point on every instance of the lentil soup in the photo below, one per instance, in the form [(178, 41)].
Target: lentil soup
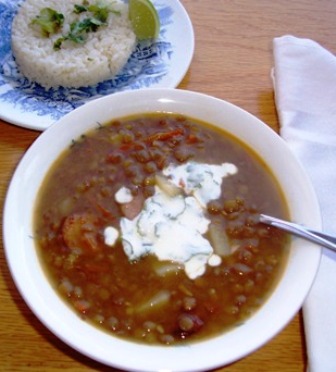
[(147, 227)]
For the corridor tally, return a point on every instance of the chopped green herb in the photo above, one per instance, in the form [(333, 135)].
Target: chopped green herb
[(79, 9), (58, 43), (79, 29), (49, 21), (99, 12)]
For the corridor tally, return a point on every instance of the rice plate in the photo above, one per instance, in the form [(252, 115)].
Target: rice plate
[(101, 56)]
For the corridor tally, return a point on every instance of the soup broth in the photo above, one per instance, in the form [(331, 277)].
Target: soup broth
[(185, 269)]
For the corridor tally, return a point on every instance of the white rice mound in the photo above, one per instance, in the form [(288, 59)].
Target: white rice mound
[(101, 57)]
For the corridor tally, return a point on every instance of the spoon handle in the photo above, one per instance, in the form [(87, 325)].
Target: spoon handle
[(317, 237)]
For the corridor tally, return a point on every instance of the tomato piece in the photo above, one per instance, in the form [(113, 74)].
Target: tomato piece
[(132, 209), (79, 231), (164, 136)]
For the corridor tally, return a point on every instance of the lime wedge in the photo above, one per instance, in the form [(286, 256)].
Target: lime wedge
[(144, 18)]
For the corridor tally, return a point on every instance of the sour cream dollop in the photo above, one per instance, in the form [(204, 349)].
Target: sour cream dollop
[(172, 227)]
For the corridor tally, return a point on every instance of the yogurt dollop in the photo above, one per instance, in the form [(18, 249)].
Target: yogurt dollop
[(172, 226)]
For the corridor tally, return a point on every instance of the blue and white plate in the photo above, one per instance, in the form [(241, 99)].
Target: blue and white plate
[(160, 64)]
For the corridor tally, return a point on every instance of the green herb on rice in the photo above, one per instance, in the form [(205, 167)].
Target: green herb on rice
[(79, 29), (49, 21)]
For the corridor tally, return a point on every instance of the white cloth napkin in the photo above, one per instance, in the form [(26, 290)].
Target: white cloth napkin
[(305, 91)]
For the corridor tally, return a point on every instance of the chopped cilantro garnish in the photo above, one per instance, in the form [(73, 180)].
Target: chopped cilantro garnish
[(49, 20), (79, 9), (78, 29), (99, 12)]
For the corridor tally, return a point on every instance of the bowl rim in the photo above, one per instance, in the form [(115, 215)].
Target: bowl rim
[(218, 351)]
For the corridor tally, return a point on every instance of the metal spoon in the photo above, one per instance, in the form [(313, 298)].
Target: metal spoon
[(317, 237)]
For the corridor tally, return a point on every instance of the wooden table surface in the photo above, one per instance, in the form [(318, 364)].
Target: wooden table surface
[(233, 59)]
